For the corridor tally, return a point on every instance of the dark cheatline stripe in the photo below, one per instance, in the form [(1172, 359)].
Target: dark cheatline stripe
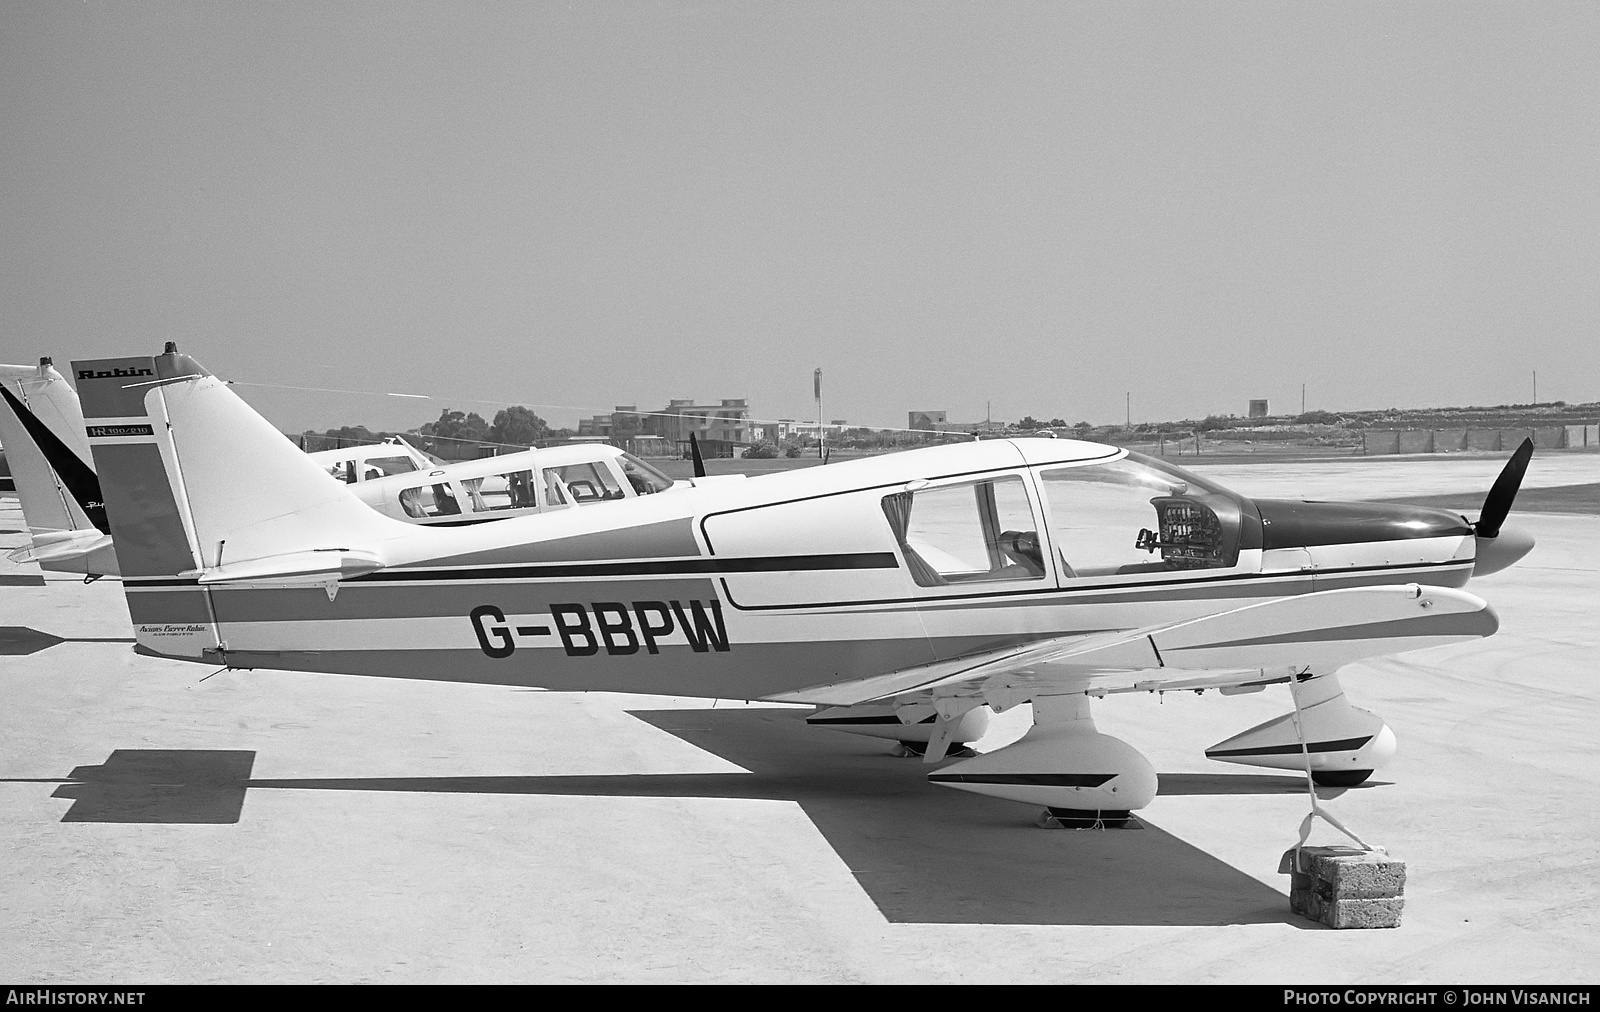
[(666, 567), (1227, 586), (1341, 745), (1024, 779), (21, 580)]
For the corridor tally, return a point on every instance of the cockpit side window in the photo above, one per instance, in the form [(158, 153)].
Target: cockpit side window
[(973, 532), (1129, 516)]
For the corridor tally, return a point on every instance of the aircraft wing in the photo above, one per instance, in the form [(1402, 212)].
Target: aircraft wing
[(1318, 632)]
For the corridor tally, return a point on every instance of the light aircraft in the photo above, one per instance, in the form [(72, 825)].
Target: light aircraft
[(922, 586), (370, 461), (517, 484), (60, 493)]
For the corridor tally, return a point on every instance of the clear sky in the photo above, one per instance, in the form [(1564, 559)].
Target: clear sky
[(1042, 205)]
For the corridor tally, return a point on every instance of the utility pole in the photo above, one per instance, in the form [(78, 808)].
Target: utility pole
[(1128, 406), (1302, 398), (1536, 386), (816, 384)]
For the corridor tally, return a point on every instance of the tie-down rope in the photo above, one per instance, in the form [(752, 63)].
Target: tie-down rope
[(1311, 788)]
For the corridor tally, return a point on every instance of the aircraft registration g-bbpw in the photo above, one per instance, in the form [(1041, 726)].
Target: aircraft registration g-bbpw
[(902, 594)]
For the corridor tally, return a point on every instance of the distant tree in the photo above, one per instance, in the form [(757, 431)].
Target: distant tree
[(344, 435), (347, 433), (1213, 422), (518, 425), (1058, 423), (457, 425), (763, 450), (791, 451), (1029, 422)]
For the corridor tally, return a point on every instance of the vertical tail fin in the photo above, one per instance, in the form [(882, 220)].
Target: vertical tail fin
[(196, 482), (202, 493), (41, 426)]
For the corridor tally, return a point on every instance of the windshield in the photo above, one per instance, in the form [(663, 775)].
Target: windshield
[(644, 478)]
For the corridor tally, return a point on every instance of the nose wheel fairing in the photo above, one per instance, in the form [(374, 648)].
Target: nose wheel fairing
[(1344, 744)]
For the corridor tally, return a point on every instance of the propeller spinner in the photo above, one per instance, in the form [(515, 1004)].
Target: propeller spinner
[(1497, 545)]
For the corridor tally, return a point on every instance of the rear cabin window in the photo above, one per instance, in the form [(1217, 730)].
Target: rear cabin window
[(437, 500), (976, 532)]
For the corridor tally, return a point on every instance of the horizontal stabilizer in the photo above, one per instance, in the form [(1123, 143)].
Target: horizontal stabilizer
[(314, 567), (55, 545)]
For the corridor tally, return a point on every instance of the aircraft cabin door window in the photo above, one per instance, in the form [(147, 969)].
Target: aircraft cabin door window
[(497, 493), (589, 484), (974, 532)]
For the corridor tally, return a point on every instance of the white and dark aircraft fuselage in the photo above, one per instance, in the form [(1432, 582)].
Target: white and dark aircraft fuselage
[(924, 583)]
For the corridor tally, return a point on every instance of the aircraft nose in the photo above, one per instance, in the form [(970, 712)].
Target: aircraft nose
[(1496, 553)]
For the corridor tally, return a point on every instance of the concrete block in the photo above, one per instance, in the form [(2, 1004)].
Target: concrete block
[(1373, 913), (1343, 887)]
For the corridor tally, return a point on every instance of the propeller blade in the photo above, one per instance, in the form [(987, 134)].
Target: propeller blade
[(1498, 502), (694, 449)]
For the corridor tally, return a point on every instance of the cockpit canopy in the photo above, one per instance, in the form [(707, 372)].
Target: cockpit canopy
[(1103, 518)]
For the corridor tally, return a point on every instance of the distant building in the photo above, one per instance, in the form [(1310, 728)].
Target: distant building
[(718, 428), (629, 429), (1258, 409), (934, 420)]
